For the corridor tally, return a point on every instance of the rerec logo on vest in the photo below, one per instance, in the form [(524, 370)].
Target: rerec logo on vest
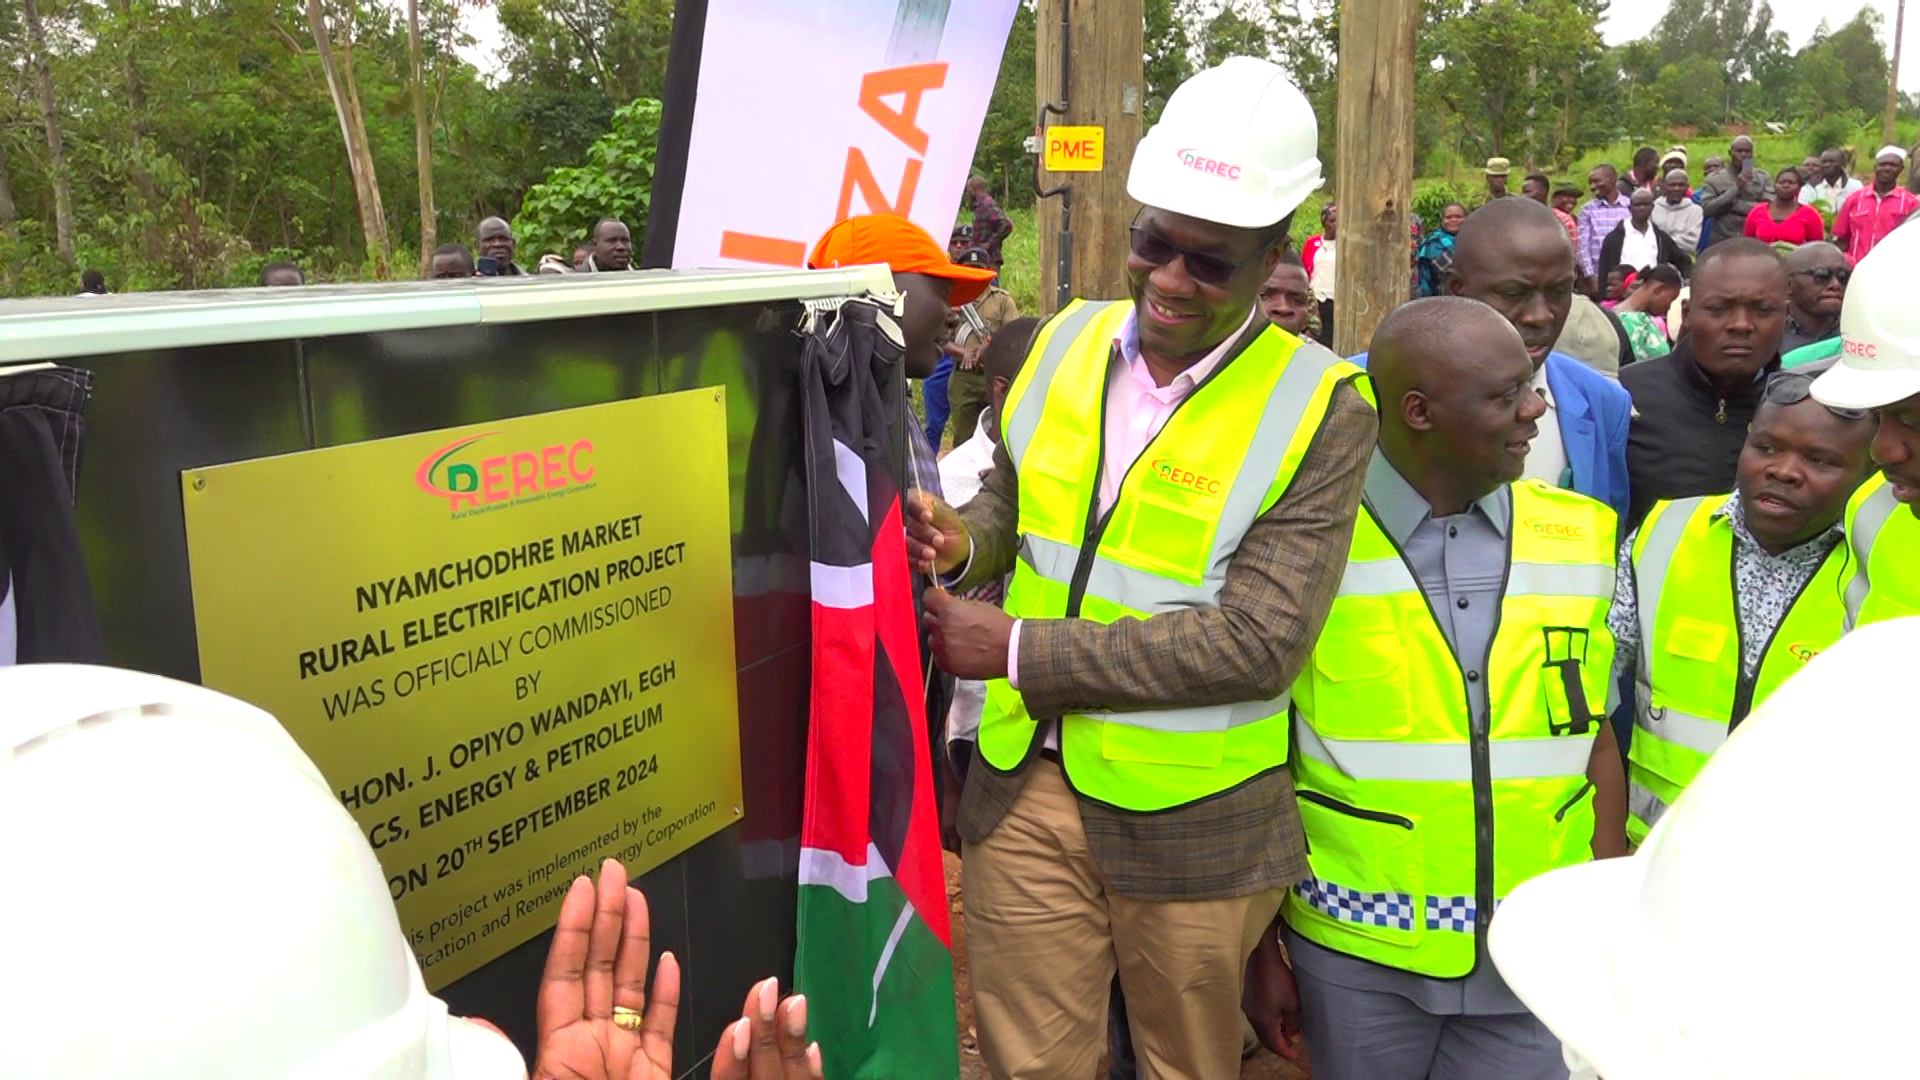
[(1172, 472), (517, 476), (1556, 530)]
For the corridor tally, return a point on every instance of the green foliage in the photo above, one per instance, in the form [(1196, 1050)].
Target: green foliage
[(1508, 70), (1001, 155), (1429, 201), (616, 182), (1169, 49)]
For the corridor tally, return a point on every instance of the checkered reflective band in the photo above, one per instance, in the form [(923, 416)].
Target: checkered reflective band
[(1351, 905), (1450, 913)]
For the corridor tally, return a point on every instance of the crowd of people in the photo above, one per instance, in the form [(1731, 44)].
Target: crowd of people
[(1277, 673)]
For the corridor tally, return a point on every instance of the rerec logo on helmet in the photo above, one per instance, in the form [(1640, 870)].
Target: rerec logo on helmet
[(1856, 347), (1200, 163)]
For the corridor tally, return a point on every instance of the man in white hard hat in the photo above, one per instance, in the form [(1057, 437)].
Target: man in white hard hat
[(1449, 736), (1677, 964), (1174, 495), (186, 899), (1879, 369)]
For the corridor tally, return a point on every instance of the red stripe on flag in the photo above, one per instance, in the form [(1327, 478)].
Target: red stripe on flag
[(840, 733), (921, 873)]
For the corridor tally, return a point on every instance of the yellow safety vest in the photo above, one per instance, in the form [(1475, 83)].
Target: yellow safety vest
[(1691, 689), (1885, 538), (1225, 457), (1418, 820)]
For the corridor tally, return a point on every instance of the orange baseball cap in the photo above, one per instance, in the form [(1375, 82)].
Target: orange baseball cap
[(904, 247)]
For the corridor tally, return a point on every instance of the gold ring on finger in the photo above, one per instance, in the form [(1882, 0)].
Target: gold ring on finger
[(629, 1019)]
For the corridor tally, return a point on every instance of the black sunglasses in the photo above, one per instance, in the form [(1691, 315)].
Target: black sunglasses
[(1794, 387), (1203, 267), (1827, 274)]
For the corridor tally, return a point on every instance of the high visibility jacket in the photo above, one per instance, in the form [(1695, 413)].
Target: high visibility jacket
[(1420, 817), (1885, 538), (1225, 457), (1689, 675)]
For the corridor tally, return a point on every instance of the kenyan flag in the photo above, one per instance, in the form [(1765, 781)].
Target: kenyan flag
[(875, 957)]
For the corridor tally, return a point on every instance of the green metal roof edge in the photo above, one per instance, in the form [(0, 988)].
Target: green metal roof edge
[(87, 326)]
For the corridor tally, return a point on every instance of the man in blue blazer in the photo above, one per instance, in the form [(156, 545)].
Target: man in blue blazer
[(1514, 256)]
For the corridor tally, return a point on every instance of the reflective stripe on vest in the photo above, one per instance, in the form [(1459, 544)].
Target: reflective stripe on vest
[(1887, 588), (1689, 677), (1418, 817), (1223, 458)]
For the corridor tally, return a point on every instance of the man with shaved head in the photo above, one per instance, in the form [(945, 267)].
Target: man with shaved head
[(1817, 276), (493, 242), (1513, 256), (1450, 739)]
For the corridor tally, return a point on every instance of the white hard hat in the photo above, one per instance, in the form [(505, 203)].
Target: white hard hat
[(1879, 329), (1236, 144), (185, 897), (1760, 933)]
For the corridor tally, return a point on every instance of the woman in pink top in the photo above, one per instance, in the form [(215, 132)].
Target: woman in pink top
[(1786, 219)]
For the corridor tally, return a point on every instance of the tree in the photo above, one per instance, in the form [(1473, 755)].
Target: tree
[(1001, 155), (422, 139), (1169, 48), (1504, 68), (1232, 33), (345, 91), (50, 120), (615, 182)]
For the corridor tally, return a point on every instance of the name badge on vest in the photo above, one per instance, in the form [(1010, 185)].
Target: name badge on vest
[(1567, 711)]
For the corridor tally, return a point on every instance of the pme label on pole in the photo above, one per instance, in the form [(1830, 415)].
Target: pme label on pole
[(508, 647), (1075, 149)]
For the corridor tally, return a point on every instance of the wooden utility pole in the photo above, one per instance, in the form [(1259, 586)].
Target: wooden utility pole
[(1101, 79), (1375, 188), (1893, 77)]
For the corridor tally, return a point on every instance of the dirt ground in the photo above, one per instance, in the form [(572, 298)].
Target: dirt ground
[(1263, 1066)]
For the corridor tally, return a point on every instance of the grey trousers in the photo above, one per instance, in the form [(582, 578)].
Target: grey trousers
[(1378, 1035)]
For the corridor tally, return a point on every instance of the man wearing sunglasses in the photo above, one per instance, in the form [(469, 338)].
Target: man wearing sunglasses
[(1721, 598), (1816, 287), (1174, 496), (1879, 369)]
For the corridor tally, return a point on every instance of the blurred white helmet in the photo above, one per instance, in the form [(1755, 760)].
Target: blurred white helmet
[(185, 897), (1879, 329), (1760, 933), (1236, 144)]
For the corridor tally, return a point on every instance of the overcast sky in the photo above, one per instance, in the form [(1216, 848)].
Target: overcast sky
[(1628, 19)]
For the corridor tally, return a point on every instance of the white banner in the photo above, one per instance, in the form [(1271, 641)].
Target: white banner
[(810, 112)]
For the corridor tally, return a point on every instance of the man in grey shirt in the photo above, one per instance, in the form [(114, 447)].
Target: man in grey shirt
[(1677, 215), (1456, 411)]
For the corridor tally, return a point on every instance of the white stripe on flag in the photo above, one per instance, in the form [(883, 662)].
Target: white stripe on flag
[(819, 866), (853, 476), (845, 587), (886, 956)]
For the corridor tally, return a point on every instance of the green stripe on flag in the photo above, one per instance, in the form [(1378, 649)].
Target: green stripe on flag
[(907, 1030)]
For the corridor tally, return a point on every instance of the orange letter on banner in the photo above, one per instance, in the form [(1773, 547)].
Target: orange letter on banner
[(859, 174), (913, 82), (773, 251)]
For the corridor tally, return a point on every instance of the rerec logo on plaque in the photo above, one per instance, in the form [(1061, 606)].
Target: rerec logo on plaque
[(508, 647)]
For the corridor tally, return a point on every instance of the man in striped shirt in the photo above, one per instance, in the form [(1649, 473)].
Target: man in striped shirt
[(1605, 210)]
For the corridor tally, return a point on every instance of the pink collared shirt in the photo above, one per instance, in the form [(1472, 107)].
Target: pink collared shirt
[(1137, 408)]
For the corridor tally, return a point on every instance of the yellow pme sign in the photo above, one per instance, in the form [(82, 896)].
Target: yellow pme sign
[(508, 647), (1075, 149)]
